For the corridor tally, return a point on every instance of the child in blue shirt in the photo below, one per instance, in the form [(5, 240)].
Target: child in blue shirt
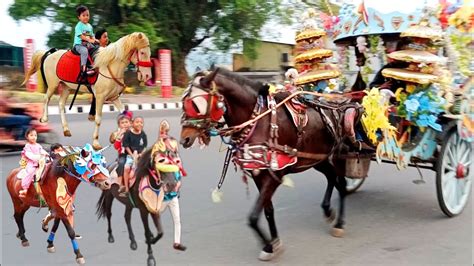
[(83, 37)]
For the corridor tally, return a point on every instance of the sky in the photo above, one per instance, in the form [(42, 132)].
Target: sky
[(15, 33)]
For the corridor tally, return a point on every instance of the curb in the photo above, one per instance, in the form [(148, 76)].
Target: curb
[(109, 108)]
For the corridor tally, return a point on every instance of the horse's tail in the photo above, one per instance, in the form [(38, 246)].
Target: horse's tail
[(104, 204), (37, 62), (35, 65)]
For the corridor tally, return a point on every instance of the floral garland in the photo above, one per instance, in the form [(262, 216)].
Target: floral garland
[(376, 49), (343, 63), (374, 118), (421, 107)]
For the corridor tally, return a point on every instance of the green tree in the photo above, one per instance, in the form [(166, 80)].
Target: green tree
[(179, 25)]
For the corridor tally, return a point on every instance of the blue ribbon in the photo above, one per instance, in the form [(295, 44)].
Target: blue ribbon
[(51, 237), (75, 246)]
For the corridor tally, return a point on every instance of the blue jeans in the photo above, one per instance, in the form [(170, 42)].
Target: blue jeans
[(82, 50)]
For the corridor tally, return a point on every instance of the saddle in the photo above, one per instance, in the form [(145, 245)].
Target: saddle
[(42, 169), (341, 114), (38, 173), (297, 112), (296, 109), (69, 68)]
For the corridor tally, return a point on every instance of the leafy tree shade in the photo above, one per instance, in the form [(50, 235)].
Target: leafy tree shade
[(179, 25)]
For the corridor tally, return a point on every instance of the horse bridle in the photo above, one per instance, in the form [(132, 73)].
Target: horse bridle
[(215, 107), (137, 64), (140, 63)]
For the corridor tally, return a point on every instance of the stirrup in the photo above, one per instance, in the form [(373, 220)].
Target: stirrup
[(90, 72)]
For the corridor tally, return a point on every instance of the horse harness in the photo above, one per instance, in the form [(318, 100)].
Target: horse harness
[(268, 154)]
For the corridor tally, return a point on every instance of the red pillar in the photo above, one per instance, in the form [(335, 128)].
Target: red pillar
[(27, 56), (165, 73)]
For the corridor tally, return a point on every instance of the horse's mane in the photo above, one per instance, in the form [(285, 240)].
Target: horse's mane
[(255, 86), (61, 163), (143, 164), (121, 49), (57, 168)]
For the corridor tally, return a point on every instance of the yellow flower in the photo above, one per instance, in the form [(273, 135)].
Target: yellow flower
[(398, 93), (374, 117), (411, 88)]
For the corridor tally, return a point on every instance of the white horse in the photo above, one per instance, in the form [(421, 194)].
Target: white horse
[(110, 62)]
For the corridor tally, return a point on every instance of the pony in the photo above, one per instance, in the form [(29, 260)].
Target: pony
[(260, 144), (166, 174), (56, 187), (110, 63)]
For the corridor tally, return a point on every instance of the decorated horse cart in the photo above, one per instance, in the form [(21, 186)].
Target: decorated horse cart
[(419, 107), (415, 112)]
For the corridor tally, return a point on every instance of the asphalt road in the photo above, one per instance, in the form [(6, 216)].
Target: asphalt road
[(390, 221)]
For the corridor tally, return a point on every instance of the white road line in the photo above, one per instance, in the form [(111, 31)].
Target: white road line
[(78, 109)]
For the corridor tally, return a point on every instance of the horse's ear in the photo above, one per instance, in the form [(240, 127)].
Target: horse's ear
[(263, 91), (206, 81)]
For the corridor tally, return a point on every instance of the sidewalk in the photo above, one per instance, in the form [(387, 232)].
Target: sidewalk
[(131, 102)]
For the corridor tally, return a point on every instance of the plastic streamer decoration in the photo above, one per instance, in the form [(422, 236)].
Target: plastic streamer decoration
[(374, 118)]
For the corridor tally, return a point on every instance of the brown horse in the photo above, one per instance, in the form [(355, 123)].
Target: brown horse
[(58, 186), (167, 182), (237, 99)]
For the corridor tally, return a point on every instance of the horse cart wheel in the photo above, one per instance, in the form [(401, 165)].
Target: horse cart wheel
[(353, 184), (454, 174)]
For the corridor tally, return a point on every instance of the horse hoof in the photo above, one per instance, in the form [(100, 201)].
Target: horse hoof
[(337, 232), (91, 118), (331, 217), (265, 256), (25, 243), (44, 227), (158, 237), (67, 133), (133, 245), (81, 261), (277, 245), (96, 146), (111, 239), (151, 262), (51, 249)]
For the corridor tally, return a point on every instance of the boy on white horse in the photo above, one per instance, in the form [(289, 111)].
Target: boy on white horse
[(84, 38)]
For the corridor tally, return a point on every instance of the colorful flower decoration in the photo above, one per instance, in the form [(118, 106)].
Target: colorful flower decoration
[(346, 10), (374, 118), (422, 108)]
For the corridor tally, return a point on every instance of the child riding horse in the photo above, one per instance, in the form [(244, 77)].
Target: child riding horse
[(56, 188)]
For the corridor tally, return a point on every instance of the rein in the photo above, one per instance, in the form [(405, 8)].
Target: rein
[(230, 130), (138, 64), (76, 176), (112, 76)]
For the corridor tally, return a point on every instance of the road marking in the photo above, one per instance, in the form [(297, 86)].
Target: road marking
[(109, 108)]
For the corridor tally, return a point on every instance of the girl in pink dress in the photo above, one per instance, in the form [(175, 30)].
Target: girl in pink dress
[(31, 153)]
